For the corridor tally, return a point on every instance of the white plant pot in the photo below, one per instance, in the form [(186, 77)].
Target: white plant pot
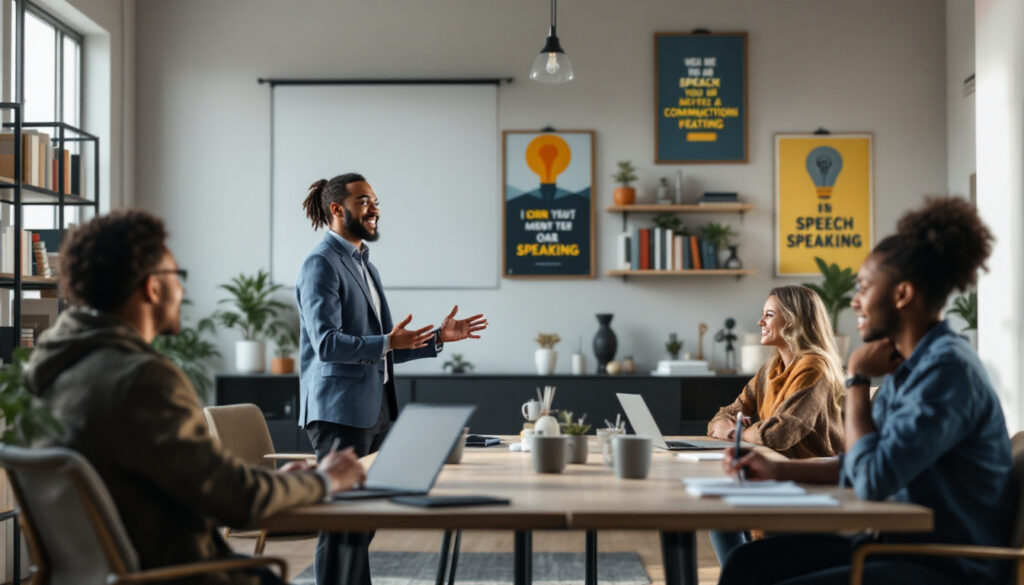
[(545, 361), (250, 356)]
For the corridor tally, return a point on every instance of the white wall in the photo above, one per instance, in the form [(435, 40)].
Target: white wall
[(203, 132), (1000, 126), (960, 131)]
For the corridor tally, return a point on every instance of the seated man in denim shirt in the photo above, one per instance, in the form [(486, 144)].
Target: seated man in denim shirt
[(935, 434)]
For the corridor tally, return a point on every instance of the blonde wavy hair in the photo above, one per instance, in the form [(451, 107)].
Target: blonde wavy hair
[(808, 331)]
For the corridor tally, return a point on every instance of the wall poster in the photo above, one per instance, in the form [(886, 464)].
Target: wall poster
[(548, 212), (823, 201), (700, 98)]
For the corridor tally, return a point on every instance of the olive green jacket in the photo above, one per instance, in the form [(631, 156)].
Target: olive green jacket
[(136, 417)]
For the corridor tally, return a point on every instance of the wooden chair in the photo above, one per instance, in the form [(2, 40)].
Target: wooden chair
[(1013, 552), (74, 531), (242, 431)]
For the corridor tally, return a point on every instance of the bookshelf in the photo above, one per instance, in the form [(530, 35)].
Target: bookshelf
[(18, 194), (625, 210)]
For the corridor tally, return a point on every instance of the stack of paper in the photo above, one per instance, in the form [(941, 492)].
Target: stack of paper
[(702, 456), (756, 493), (683, 368)]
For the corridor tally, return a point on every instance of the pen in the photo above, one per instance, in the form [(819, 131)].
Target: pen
[(739, 433), (334, 445)]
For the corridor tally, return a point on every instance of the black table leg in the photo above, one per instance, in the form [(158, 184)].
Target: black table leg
[(523, 569), (455, 557), (442, 562), (679, 554), (590, 570)]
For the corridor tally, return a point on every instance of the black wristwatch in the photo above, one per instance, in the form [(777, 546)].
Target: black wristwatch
[(857, 379)]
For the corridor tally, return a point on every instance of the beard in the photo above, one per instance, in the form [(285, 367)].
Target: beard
[(888, 324), (357, 229)]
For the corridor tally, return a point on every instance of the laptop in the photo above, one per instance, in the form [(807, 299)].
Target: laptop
[(414, 451), (642, 420)]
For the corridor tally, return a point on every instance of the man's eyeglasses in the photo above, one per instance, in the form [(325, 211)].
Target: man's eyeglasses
[(181, 272)]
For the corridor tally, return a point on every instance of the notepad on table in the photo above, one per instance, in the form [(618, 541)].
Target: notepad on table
[(777, 501), (727, 486), (701, 456)]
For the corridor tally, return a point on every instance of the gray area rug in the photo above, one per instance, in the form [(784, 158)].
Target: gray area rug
[(418, 568)]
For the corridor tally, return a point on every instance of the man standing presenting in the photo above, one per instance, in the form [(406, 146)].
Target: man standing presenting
[(348, 344)]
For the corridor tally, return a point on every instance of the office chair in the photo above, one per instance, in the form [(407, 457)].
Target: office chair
[(1014, 552), (74, 531)]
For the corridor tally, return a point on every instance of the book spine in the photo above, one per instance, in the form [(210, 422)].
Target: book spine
[(645, 249), (634, 250), (659, 251), (677, 252), (695, 252)]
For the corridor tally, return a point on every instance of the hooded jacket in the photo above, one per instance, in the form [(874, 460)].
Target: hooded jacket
[(137, 419)]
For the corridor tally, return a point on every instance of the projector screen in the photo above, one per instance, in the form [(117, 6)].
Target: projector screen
[(430, 152)]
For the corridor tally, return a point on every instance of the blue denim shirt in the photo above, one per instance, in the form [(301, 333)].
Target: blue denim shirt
[(942, 442)]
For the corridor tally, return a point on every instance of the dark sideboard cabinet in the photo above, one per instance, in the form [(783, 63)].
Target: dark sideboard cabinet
[(681, 405)]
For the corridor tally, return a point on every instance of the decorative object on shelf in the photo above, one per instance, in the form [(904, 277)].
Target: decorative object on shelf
[(719, 199), (753, 354), (548, 206), (546, 424), (663, 198), (613, 368), (25, 418), (965, 307), (628, 365), (577, 432), (716, 236), (836, 292), (531, 409), (605, 342), (579, 360), (552, 65), (546, 357), (624, 194), (823, 200), (727, 336), (286, 342), (191, 350), (733, 262), (701, 330), (673, 346), (457, 365), (700, 86), (254, 314), (679, 187), (669, 221)]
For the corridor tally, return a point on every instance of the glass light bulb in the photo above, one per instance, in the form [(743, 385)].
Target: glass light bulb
[(552, 66)]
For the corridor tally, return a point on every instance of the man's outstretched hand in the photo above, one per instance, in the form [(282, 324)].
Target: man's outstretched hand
[(453, 329)]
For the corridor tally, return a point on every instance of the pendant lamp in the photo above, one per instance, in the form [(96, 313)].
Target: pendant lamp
[(552, 65)]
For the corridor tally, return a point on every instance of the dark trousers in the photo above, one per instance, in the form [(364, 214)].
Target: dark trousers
[(330, 545), (820, 559)]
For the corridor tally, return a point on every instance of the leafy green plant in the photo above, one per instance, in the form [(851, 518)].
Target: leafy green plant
[(255, 310), (721, 235), (548, 340), (673, 345), (836, 291), (668, 221), (573, 427), (626, 173), (191, 351), (457, 365), (25, 417), (966, 307)]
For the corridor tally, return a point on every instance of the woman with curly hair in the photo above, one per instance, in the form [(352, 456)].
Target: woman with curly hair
[(934, 435)]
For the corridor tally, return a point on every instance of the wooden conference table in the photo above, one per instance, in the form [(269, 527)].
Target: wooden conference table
[(590, 497)]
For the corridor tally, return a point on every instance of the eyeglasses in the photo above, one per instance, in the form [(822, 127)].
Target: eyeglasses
[(181, 272)]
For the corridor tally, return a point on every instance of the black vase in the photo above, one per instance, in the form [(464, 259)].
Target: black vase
[(733, 261), (605, 342)]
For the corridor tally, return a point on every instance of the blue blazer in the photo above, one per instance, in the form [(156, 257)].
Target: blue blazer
[(341, 342)]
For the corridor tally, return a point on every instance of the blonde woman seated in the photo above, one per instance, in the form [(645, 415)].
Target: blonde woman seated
[(792, 403)]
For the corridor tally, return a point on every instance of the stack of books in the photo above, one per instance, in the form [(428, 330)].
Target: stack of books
[(728, 198), (682, 368), (41, 162), (28, 337), (663, 249)]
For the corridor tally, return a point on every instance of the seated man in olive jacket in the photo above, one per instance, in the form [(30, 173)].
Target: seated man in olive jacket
[(134, 414)]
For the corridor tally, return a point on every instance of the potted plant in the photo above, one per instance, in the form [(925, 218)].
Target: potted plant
[(576, 430), (673, 346), (719, 237), (546, 356), (25, 418), (254, 314), (836, 292), (191, 351), (624, 194), (457, 365), (286, 341), (966, 307), (669, 221)]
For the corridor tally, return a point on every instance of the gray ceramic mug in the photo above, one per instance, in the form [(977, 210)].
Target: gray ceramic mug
[(548, 453), (632, 456)]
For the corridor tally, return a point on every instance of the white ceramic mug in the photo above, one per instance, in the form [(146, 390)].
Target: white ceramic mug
[(531, 410)]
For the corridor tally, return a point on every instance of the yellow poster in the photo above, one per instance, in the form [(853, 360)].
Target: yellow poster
[(823, 195)]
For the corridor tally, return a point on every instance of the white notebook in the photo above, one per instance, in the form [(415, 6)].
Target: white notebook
[(776, 501), (701, 456), (727, 486)]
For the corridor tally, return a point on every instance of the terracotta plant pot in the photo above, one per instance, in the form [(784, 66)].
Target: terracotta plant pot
[(624, 195), (282, 366)]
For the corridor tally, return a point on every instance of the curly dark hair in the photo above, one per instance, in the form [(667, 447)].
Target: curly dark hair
[(104, 259), (938, 248), (322, 193)]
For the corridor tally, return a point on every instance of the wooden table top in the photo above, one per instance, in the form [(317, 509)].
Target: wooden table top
[(590, 496)]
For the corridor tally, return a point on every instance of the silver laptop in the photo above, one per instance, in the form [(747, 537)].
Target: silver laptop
[(642, 420), (414, 451)]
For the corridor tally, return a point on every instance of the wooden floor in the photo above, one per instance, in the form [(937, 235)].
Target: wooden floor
[(299, 552)]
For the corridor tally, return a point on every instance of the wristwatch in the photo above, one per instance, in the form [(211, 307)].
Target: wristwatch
[(856, 380)]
